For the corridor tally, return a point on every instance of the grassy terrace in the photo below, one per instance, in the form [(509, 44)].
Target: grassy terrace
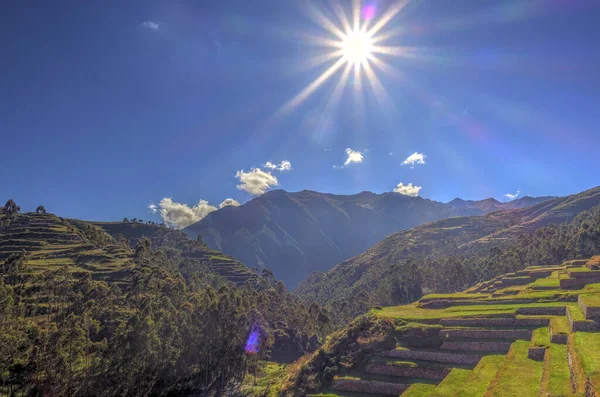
[(419, 390), (469, 350), (414, 313), (560, 325), (587, 349), (541, 337), (556, 378), (519, 376), (452, 384), (479, 379)]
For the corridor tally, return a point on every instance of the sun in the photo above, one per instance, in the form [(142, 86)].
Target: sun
[(354, 49), (357, 46)]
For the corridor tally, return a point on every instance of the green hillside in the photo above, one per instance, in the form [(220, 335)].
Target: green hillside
[(103, 249), (526, 334), (51, 242), (468, 249), (83, 314), (164, 237)]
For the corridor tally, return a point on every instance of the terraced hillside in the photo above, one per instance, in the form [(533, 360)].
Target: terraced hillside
[(379, 273), (163, 237), (51, 242), (531, 333)]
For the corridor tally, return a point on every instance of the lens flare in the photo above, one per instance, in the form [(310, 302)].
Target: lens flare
[(369, 11), (252, 344)]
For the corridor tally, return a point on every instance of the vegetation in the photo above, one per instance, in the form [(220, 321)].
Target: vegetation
[(471, 343), (441, 258), (166, 323)]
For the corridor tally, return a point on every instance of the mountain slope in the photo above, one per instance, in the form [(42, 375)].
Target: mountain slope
[(369, 274), (524, 334), (92, 247), (297, 233)]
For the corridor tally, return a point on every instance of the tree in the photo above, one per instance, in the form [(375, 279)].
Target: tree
[(40, 210), (11, 208)]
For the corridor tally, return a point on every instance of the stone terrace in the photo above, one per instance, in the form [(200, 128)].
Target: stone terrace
[(521, 334)]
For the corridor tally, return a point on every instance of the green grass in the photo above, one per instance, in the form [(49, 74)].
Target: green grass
[(414, 313), (458, 295), (560, 325), (576, 313), (556, 379), (590, 300), (419, 390), (481, 376), (519, 377), (546, 282), (268, 378), (587, 349), (541, 337), (579, 270), (452, 384)]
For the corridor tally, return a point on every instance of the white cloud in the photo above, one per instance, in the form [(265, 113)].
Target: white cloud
[(408, 190), (181, 215), (283, 166), (512, 196), (415, 158), (255, 181), (229, 203), (354, 157), (150, 25)]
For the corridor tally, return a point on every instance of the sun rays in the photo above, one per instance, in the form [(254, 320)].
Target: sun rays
[(352, 52)]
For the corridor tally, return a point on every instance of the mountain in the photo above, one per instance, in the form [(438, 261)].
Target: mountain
[(294, 234), (381, 275)]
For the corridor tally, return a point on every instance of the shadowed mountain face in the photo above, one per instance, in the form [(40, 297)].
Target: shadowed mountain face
[(297, 233)]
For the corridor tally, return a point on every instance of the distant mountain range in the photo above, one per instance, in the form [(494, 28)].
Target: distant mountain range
[(474, 236), (295, 234)]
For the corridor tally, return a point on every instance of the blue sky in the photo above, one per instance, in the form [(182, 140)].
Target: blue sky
[(107, 107)]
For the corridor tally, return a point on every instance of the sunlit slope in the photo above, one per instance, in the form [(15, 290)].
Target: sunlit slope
[(51, 242), (522, 334), (369, 272), (163, 237), (103, 249)]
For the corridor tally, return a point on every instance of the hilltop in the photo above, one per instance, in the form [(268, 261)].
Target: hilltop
[(530, 333), (294, 234), (470, 248), (103, 249)]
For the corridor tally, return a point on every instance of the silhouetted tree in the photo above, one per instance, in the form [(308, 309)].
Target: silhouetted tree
[(40, 209), (11, 208)]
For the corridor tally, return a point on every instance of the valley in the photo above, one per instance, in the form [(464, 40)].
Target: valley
[(294, 234)]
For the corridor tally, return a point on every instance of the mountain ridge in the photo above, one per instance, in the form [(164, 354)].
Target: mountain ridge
[(369, 272), (295, 233)]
